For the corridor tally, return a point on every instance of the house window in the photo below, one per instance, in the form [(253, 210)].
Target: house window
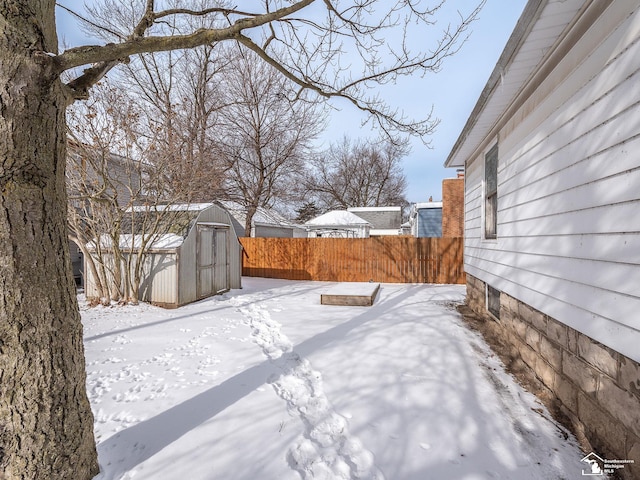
[(491, 193), (493, 301)]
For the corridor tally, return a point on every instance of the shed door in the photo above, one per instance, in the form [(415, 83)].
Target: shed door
[(221, 262), (212, 260), (205, 256)]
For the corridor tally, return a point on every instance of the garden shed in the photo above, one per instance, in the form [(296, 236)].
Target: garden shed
[(195, 255)]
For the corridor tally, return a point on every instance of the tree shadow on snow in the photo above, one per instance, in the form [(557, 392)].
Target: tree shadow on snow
[(134, 445)]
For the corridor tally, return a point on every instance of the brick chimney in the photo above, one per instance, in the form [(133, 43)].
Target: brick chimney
[(453, 206)]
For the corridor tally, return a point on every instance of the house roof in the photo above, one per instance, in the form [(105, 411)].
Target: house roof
[(540, 28), (380, 217), (428, 205), (374, 209), (337, 218), (263, 216)]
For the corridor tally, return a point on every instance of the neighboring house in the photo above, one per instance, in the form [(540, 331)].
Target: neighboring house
[(338, 224), (383, 220), (439, 219), (552, 232), (90, 170), (425, 219), (265, 222), (195, 256), (93, 170)]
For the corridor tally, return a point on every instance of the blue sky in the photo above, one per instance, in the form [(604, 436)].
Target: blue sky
[(452, 92)]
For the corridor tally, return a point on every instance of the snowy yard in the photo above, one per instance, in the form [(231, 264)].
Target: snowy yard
[(266, 383)]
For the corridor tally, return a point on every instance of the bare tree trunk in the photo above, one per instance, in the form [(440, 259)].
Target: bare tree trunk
[(251, 211), (46, 425), (119, 283)]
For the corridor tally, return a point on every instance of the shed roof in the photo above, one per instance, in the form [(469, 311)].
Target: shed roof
[(165, 219), (177, 207), (541, 25)]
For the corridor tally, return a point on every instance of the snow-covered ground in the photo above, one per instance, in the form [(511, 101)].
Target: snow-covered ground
[(266, 383)]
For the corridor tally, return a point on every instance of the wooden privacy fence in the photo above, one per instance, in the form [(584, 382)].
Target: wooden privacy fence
[(377, 259)]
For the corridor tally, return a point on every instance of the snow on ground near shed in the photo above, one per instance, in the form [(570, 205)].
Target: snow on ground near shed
[(267, 383)]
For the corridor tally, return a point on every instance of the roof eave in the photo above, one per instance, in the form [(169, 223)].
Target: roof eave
[(529, 15)]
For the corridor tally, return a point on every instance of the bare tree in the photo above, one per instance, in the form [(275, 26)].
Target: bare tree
[(264, 138), (114, 198), (362, 174), (100, 184), (45, 418), (179, 95)]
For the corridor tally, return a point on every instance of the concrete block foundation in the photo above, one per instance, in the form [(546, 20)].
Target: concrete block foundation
[(596, 387)]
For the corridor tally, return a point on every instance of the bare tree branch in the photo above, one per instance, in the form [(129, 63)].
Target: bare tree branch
[(75, 57), (338, 51)]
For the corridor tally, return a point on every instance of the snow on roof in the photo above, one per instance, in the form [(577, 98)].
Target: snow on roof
[(127, 241), (429, 205), (337, 217), (178, 207)]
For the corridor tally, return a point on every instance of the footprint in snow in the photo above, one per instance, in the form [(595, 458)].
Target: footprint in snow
[(326, 449)]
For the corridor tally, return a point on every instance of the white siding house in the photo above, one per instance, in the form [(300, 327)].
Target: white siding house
[(338, 224), (554, 249)]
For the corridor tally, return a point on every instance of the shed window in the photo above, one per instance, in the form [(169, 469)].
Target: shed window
[(491, 193), (493, 301)]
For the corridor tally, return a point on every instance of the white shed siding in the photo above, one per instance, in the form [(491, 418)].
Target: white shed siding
[(161, 268), (569, 190), (158, 265)]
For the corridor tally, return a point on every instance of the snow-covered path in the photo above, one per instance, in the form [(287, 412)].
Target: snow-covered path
[(267, 383), (325, 449)]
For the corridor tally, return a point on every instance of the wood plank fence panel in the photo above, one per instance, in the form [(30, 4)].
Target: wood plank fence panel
[(377, 259)]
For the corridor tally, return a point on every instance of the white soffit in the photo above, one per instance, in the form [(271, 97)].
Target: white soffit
[(542, 23)]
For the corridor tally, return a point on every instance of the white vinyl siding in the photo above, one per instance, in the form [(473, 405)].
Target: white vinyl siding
[(569, 183)]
